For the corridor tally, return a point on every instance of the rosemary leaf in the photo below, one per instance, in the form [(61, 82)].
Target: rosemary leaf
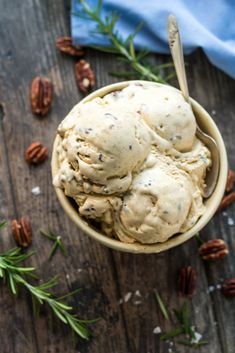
[(171, 334), (142, 54), (77, 327), (1, 273), (105, 49), (47, 234), (12, 284), (59, 315), (199, 239), (170, 76), (53, 250), (70, 294), (200, 344), (3, 224), (162, 306), (178, 316), (185, 317), (192, 344)]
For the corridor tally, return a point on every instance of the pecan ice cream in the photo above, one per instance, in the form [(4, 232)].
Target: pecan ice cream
[(132, 163)]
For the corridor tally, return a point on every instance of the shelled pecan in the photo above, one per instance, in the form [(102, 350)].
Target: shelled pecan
[(85, 76), (230, 180), (227, 200), (65, 45), (228, 287), (22, 232), (187, 281), (41, 94), (36, 153), (215, 249)]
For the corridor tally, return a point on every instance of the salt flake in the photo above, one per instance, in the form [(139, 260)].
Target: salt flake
[(127, 297), (157, 330), (137, 293), (36, 190), (230, 221), (210, 289), (197, 337)]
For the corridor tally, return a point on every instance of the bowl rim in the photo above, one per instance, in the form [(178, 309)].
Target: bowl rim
[(175, 240)]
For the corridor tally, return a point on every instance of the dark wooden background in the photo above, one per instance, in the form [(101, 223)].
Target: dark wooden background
[(28, 30)]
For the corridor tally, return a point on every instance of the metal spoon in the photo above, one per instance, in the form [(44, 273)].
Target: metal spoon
[(178, 59)]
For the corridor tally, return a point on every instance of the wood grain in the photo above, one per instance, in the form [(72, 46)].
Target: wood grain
[(28, 31)]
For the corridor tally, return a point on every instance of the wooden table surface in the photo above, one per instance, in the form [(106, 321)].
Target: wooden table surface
[(28, 30)]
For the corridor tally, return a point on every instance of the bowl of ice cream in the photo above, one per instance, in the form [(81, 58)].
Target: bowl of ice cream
[(129, 170)]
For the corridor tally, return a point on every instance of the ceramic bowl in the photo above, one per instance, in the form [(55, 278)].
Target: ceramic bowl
[(208, 125)]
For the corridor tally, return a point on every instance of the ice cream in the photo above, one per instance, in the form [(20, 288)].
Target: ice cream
[(133, 164)]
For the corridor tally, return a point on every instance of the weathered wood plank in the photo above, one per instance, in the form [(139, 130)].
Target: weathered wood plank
[(215, 91)]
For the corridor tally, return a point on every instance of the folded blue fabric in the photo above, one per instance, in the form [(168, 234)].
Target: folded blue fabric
[(207, 24)]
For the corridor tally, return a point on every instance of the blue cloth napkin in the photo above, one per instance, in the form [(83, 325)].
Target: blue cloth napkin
[(207, 24)]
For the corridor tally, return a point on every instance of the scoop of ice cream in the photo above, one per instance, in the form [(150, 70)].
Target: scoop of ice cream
[(195, 163), (161, 200), (103, 146), (164, 109)]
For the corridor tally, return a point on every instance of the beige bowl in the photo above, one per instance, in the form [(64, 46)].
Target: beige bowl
[(208, 125)]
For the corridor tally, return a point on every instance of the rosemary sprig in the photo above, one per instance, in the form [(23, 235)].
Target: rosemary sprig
[(57, 242), (15, 274), (185, 328), (140, 67)]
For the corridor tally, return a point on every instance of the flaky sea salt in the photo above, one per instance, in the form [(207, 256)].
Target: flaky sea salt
[(127, 297), (157, 330), (137, 302), (36, 190), (137, 293), (213, 112), (230, 221), (197, 337), (210, 289)]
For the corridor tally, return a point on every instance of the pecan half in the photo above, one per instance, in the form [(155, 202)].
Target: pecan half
[(65, 45), (228, 287), (230, 180), (85, 76), (36, 153), (215, 249), (22, 232), (41, 95), (227, 200), (187, 281)]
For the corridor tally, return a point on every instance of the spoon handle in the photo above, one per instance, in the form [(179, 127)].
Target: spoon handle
[(177, 55)]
